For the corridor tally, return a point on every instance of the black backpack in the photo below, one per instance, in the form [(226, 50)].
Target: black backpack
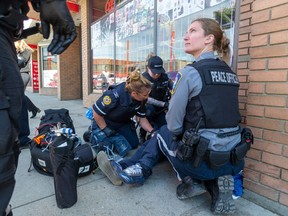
[(53, 117), (84, 156), (39, 146)]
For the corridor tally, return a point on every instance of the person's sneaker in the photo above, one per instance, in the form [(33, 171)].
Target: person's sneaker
[(108, 168), (189, 188), (34, 112), (117, 168), (132, 175), (223, 201)]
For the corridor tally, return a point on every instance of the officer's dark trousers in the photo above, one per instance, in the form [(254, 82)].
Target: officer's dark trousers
[(11, 94), (24, 123), (30, 105), (183, 169), (155, 116), (147, 154)]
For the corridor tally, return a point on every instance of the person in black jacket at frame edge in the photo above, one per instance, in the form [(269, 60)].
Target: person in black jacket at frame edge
[(158, 100), (13, 13)]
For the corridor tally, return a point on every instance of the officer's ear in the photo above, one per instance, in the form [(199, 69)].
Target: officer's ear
[(133, 94), (209, 39)]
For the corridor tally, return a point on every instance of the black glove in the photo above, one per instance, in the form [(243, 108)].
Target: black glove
[(56, 13), (177, 138), (166, 105), (153, 132), (108, 131)]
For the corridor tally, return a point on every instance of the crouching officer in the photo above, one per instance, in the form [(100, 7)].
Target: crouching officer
[(12, 15), (113, 113), (202, 139), (158, 100)]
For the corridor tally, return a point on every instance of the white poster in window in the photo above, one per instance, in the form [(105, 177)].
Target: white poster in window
[(211, 3), (135, 17), (95, 35), (50, 78)]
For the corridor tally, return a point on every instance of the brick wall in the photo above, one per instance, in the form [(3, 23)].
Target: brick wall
[(88, 97), (69, 73), (85, 37), (263, 63)]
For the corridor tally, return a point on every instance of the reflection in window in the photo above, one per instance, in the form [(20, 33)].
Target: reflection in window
[(174, 17), (130, 32), (49, 62), (49, 69), (134, 35)]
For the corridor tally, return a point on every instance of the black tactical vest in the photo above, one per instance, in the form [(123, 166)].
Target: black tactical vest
[(217, 102), (160, 88)]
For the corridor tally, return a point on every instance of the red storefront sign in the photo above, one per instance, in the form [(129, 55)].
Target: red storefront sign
[(35, 76), (109, 6)]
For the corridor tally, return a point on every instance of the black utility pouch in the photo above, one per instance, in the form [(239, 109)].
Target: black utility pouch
[(238, 153), (200, 151), (184, 152), (218, 158)]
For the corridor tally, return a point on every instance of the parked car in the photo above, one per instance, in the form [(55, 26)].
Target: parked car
[(100, 82)]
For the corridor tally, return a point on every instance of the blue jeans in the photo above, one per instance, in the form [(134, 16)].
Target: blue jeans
[(185, 168), (118, 141), (129, 132)]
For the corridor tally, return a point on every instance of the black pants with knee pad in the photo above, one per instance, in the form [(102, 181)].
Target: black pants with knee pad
[(11, 95)]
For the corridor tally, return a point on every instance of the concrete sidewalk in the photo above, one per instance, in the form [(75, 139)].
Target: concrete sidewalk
[(34, 193)]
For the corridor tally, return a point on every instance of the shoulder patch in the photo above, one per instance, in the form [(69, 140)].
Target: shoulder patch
[(107, 100), (177, 80)]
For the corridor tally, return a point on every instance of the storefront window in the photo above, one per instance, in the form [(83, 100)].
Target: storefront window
[(134, 36), (49, 69), (102, 33), (136, 32), (133, 30), (174, 17)]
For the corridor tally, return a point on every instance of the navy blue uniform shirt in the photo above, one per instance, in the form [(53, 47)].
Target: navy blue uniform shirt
[(117, 106)]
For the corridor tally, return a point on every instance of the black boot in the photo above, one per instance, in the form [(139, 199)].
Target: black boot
[(221, 190), (34, 112), (189, 188)]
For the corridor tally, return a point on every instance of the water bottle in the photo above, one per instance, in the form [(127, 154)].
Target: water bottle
[(67, 131), (238, 185)]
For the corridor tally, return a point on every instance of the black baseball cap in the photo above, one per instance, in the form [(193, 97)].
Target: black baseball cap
[(155, 64)]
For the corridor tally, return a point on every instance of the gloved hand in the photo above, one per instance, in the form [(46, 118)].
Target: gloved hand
[(56, 13), (166, 105), (177, 138), (153, 132), (108, 131)]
